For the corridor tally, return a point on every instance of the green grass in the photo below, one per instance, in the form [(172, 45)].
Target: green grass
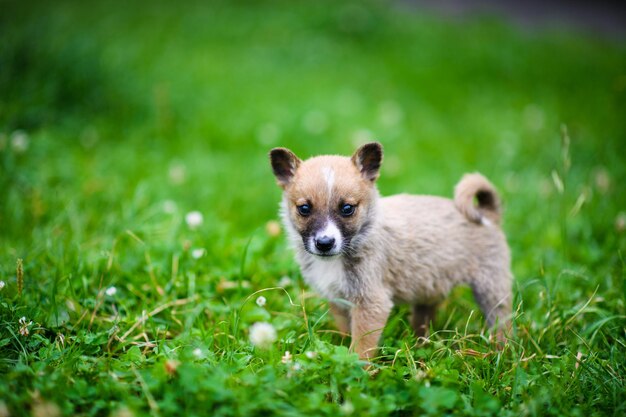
[(137, 114)]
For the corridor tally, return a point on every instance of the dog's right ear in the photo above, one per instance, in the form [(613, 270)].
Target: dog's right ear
[(368, 159), (284, 164)]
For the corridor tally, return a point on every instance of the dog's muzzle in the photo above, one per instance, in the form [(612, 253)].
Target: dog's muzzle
[(325, 244)]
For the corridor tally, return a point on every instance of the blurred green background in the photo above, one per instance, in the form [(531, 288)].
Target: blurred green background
[(117, 119), (126, 106)]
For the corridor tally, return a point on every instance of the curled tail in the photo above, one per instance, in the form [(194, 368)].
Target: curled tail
[(477, 199)]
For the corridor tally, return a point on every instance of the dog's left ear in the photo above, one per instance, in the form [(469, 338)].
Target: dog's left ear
[(368, 159), (284, 164)]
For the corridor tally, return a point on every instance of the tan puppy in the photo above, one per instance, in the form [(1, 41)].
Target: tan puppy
[(373, 252)]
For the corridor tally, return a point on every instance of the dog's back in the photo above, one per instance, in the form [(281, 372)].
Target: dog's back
[(431, 247)]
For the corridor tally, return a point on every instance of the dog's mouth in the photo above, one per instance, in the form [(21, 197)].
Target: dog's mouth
[(324, 255)]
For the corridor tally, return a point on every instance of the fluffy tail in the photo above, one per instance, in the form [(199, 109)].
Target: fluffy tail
[(477, 199)]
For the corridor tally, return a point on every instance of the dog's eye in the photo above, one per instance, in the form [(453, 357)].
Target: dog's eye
[(347, 210), (304, 210)]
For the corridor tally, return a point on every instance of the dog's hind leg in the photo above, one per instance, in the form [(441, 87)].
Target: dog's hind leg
[(421, 316), (492, 291)]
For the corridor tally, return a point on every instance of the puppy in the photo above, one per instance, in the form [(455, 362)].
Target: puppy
[(374, 252)]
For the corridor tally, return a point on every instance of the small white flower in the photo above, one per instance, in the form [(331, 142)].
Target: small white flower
[(286, 357), (620, 222), (19, 141), (310, 354), (111, 291), (284, 281), (602, 179), (177, 173), (347, 408), (169, 206), (293, 367), (262, 335), (194, 219), (197, 352), (198, 253), (261, 301), (123, 411), (24, 324), (2, 284)]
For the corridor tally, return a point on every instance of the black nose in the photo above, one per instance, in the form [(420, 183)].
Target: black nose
[(325, 243)]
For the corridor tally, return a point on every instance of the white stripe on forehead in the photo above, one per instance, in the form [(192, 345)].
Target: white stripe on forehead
[(329, 176), (330, 230)]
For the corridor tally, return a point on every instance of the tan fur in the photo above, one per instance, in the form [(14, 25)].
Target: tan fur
[(475, 186), (399, 249)]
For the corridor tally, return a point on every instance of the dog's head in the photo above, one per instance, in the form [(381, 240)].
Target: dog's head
[(328, 200)]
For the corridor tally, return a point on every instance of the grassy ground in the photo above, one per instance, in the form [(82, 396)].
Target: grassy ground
[(117, 120)]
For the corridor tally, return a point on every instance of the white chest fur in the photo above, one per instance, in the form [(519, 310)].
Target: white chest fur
[(328, 277)]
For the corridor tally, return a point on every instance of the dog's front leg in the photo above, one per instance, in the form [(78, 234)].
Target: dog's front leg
[(368, 318), (342, 317)]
